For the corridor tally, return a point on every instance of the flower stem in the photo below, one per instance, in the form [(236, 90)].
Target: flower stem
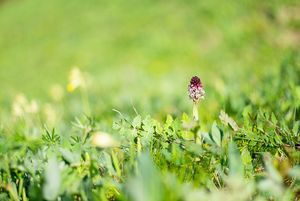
[(195, 111)]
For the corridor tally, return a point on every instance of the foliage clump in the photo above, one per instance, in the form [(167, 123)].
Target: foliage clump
[(249, 156)]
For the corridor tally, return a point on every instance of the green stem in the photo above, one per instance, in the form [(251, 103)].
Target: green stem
[(196, 119), (195, 112), (116, 163)]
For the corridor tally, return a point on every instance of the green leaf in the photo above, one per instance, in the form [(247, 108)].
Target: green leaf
[(273, 118), (169, 120), (147, 184), (148, 125), (247, 160), (296, 128), (52, 180), (235, 162), (116, 125), (72, 157), (194, 148), (272, 172), (187, 135), (116, 163), (106, 161), (12, 189), (246, 115), (295, 172), (216, 134), (137, 121), (226, 120), (185, 118), (207, 138)]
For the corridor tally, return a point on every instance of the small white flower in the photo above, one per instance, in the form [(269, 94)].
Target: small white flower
[(56, 92), (32, 107), (22, 106), (103, 140)]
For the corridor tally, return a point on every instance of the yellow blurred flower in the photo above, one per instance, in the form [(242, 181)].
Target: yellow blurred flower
[(75, 79)]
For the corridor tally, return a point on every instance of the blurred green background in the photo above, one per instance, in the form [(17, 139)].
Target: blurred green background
[(132, 48)]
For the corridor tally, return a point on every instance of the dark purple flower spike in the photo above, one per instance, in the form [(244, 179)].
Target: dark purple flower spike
[(195, 89), (196, 93)]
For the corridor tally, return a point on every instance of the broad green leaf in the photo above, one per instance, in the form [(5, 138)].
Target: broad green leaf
[(247, 161), (295, 172), (270, 187), (194, 148), (52, 180), (207, 138), (216, 134), (146, 185), (235, 162), (272, 172)]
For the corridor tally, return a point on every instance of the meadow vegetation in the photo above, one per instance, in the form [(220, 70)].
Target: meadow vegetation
[(94, 100)]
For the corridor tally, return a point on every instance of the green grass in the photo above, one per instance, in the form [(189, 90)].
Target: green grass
[(41, 42), (127, 132)]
